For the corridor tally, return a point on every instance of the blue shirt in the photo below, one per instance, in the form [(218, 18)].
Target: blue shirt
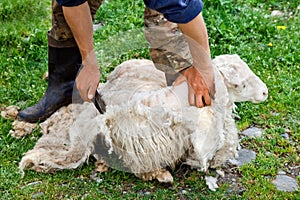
[(178, 11), (70, 3)]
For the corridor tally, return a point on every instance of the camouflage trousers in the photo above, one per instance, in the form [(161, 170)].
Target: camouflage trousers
[(60, 35), (168, 47)]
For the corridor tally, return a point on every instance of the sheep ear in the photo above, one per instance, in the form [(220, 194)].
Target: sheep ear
[(225, 71), (231, 78)]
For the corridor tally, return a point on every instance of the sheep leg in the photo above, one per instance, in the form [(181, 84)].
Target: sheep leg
[(162, 175)]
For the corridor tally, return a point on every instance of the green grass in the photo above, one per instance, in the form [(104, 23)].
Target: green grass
[(234, 26)]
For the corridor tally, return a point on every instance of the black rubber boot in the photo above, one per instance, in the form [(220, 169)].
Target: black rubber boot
[(63, 66)]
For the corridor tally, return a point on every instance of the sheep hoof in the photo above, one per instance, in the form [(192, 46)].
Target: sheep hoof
[(164, 176), (101, 166)]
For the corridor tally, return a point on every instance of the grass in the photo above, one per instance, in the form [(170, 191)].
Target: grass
[(235, 26)]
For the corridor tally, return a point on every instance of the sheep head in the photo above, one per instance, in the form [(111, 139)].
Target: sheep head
[(242, 83)]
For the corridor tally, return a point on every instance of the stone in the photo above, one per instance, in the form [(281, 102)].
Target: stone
[(32, 184), (183, 192), (99, 180), (285, 136), (281, 173), (245, 157), (252, 132), (97, 26), (295, 171), (276, 13), (37, 195), (285, 183), (221, 173)]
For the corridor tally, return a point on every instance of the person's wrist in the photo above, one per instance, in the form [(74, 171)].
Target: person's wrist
[(90, 61)]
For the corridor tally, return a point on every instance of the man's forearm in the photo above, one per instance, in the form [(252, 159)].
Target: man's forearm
[(197, 37), (196, 34), (80, 22)]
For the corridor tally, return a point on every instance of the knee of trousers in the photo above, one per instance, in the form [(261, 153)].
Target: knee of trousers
[(60, 35), (169, 48)]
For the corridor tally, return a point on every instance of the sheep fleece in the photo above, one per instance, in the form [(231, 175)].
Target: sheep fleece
[(147, 126)]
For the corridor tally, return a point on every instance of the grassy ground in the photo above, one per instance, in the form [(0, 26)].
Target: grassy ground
[(269, 45)]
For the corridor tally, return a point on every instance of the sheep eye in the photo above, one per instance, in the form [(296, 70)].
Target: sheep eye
[(235, 85)]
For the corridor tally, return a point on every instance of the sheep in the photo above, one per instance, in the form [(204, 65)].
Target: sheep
[(147, 94), (157, 146), (148, 125)]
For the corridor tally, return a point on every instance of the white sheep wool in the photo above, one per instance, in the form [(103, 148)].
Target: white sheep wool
[(137, 137), (146, 127)]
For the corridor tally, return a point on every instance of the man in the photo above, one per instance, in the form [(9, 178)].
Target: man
[(70, 44)]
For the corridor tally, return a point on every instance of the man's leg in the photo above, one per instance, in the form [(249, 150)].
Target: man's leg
[(169, 49), (64, 60)]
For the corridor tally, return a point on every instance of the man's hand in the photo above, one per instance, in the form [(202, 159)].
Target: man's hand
[(88, 78), (200, 77), (199, 93), (79, 20)]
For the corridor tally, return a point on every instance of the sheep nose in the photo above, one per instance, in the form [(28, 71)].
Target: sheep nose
[(265, 93)]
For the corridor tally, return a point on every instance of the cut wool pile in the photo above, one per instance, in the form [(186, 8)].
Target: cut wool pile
[(20, 128), (147, 125)]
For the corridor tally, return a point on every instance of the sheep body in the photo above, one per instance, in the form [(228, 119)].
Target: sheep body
[(147, 126), (154, 124)]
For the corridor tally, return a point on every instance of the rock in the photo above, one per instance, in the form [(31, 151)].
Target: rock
[(285, 136), (99, 180), (97, 26), (221, 173), (285, 183), (211, 182), (94, 177), (245, 156), (295, 171), (32, 184), (252, 132), (85, 196), (276, 13), (37, 195), (281, 173), (268, 153)]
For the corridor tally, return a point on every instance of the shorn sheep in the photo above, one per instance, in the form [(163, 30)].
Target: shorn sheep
[(148, 126)]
